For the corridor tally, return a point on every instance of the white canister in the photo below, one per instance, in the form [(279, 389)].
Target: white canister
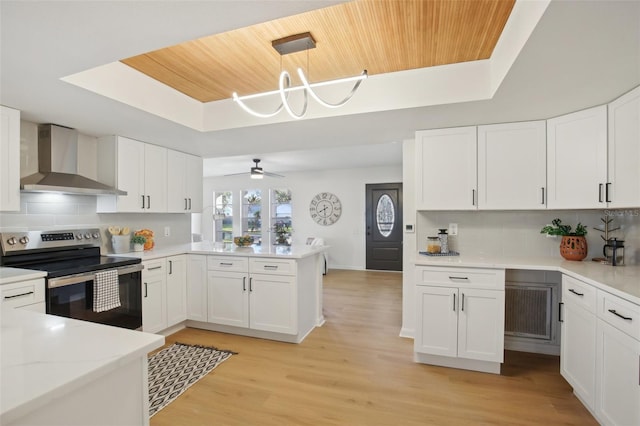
[(121, 243)]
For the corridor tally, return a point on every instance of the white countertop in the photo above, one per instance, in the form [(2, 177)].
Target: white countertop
[(43, 357), (623, 281), (290, 252), (12, 275)]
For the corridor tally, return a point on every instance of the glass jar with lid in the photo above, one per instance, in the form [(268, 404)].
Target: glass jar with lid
[(433, 245)]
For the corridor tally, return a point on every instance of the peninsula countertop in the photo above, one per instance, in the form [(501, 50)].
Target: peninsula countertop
[(209, 248), (44, 357), (12, 275), (623, 281)]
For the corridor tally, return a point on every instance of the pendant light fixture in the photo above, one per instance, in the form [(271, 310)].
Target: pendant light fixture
[(292, 44)]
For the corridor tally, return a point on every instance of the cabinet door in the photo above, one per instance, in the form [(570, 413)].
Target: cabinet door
[(9, 159), (197, 287), (512, 166), (273, 303), (154, 297), (578, 351), (577, 159), (194, 183), (624, 151), (446, 169), (176, 289), (228, 298), (155, 178), (618, 398), (130, 158), (481, 324), (436, 321), (177, 199)]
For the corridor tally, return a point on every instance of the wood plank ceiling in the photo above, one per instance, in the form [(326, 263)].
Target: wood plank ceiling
[(381, 36)]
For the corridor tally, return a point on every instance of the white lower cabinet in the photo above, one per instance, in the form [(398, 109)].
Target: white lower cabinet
[(24, 295), (258, 301), (154, 296), (176, 289), (618, 366), (578, 345), (460, 315), (197, 287)]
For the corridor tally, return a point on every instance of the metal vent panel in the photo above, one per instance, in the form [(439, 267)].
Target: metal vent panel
[(528, 311)]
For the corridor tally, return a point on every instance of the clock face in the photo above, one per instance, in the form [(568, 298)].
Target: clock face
[(325, 208)]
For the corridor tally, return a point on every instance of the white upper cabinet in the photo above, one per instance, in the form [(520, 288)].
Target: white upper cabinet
[(577, 159), (184, 183), (136, 167), (623, 187), (512, 166), (446, 172), (9, 159)]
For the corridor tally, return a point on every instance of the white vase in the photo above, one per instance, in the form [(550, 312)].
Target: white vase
[(138, 247)]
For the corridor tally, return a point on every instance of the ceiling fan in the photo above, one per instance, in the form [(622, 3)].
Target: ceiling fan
[(256, 171)]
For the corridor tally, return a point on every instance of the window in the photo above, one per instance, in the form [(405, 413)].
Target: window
[(252, 214), (281, 217), (223, 217), (385, 215)]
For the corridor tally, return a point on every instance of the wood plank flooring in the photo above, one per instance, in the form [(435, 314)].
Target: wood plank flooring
[(355, 370)]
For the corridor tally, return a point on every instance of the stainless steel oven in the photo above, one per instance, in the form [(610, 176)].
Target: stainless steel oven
[(72, 296), (71, 260)]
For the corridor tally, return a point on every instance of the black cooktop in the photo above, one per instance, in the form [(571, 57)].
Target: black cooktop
[(61, 268)]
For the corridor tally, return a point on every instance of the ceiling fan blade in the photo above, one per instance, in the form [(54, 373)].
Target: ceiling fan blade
[(238, 174), (272, 174)]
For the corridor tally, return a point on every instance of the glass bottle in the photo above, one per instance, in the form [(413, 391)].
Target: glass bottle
[(433, 245), (444, 241)]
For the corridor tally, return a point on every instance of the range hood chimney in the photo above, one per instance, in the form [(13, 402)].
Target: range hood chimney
[(58, 165)]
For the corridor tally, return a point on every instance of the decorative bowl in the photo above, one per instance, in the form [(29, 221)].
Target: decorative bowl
[(244, 241)]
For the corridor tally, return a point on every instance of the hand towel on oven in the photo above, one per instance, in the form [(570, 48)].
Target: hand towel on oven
[(106, 294)]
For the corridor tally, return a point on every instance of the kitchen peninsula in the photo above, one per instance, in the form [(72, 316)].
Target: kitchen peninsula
[(271, 292)]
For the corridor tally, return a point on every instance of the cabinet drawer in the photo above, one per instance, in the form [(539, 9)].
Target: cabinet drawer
[(227, 263), (24, 293), (579, 293), (153, 267), (620, 313), (460, 277), (272, 266)]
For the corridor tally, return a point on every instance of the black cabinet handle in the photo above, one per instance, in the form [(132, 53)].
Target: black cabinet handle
[(462, 302), (145, 289), (576, 293), (244, 283), (599, 192), (189, 203), (542, 195), (19, 295), (185, 204), (473, 197), (272, 267), (560, 312), (250, 284), (454, 302), (143, 201), (613, 311), (606, 192), (458, 278), (170, 267), (148, 201)]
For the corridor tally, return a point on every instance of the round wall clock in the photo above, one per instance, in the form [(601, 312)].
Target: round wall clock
[(325, 208)]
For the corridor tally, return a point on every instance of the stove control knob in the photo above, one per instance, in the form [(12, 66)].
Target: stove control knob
[(79, 236), (87, 236), (24, 240), (95, 235), (11, 241)]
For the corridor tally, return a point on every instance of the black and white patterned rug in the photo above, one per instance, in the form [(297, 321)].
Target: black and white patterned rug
[(175, 368)]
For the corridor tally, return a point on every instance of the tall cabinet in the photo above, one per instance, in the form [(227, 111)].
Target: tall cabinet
[(9, 159), (184, 183)]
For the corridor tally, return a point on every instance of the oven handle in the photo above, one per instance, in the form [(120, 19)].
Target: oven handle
[(88, 276)]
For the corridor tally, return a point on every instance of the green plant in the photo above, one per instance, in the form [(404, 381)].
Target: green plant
[(283, 196), (254, 199), (283, 231), (138, 239), (559, 229)]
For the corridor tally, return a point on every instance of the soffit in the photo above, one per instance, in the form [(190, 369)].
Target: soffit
[(381, 36)]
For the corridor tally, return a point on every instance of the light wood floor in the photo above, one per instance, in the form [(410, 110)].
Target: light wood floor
[(355, 370)]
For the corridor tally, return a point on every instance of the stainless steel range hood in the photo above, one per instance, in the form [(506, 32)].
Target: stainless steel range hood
[(58, 166)]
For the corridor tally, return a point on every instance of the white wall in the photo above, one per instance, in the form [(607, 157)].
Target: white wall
[(346, 237)]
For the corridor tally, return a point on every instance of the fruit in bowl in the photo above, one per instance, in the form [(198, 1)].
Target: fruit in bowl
[(244, 241)]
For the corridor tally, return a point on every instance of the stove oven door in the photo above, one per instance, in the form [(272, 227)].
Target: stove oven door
[(72, 297)]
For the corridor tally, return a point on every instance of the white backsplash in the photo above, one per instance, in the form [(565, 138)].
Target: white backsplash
[(515, 234), (63, 211)]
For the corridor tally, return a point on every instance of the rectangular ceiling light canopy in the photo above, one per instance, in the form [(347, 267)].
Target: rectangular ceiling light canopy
[(294, 43)]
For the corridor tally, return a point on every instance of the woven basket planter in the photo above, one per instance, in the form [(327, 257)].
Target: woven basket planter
[(573, 247)]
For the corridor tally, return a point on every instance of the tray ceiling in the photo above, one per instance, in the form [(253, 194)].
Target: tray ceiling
[(381, 36)]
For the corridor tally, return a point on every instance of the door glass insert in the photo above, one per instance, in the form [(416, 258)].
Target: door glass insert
[(223, 217), (252, 214), (385, 215), (281, 217)]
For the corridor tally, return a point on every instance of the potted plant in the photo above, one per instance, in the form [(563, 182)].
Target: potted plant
[(283, 233), (138, 242), (574, 244)]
